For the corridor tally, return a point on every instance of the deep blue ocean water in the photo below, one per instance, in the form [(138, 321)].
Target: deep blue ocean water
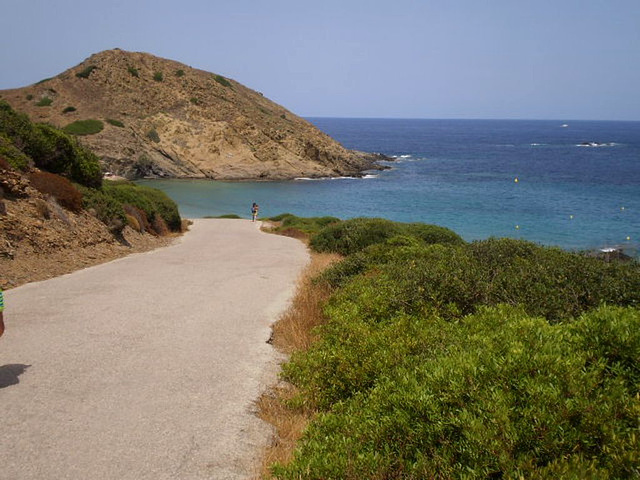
[(462, 174)]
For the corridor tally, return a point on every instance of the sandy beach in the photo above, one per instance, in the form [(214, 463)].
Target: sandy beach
[(147, 367)]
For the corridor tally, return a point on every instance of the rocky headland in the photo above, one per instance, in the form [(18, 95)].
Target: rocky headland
[(146, 116)]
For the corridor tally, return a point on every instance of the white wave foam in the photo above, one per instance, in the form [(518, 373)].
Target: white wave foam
[(596, 144)]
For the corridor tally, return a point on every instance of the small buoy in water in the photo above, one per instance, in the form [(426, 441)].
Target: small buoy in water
[(571, 217), (628, 238), (517, 227), (621, 208), (516, 180)]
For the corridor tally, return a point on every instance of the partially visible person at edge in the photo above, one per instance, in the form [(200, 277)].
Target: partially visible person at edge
[(254, 211), (1, 314)]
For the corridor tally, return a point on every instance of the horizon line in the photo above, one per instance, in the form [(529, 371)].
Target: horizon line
[(567, 121)]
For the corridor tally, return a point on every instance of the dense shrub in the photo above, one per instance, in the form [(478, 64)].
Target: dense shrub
[(158, 77), (159, 225), (86, 71), (12, 154), (69, 109), (44, 102), (153, 135), (195, 100), (498, 395), (180, 73), (66, 194), (222, 81), (115, 123), (106, 208), (353, 235), (141, 220), (133, 71), (456, 280), (57, 152), (149, 200), (84, 127), (29, 97), (306, 225)]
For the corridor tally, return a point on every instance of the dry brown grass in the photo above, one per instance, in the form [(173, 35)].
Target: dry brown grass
[(293, 332)]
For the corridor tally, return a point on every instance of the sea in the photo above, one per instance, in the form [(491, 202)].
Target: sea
[(571, 184)]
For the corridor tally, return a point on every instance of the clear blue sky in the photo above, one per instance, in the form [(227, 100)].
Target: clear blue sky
[(547, 59)]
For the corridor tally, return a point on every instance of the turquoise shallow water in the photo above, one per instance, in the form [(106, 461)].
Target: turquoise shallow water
[(578, 186)]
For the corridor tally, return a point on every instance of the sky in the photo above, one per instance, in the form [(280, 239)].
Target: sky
[(511, 59)]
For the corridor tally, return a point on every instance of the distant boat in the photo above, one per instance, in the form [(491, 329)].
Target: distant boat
[(564, 125)]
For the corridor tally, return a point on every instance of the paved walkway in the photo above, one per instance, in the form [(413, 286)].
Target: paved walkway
[(146, 367)]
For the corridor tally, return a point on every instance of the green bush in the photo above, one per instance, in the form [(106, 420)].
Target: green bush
[(133, 71), (85, 167), (50, 148), (195, 100), (158, 77), (149, 200), (12, 154), (29, 97), (153, 135), (456, 280), (180, 73), (44, 102), (86, 71), (353, 235), (307, 225), (69, 109), (84, 127), (497, 395), (106, 208), (222, 81), (115, 123)]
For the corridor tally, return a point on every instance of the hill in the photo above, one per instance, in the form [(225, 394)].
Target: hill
[(148, 116)]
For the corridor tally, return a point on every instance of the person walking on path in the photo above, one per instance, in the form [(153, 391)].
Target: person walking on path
[(254, 211)]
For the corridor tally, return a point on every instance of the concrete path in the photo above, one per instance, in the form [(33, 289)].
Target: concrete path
[(146, 367)]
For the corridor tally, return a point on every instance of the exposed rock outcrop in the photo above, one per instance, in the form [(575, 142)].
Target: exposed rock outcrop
[(163, 118)]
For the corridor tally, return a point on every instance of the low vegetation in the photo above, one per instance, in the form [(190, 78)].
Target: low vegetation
[(438, 358), (222, 81), (115, 123), (59, 167), (133, 71), (293, 226), (158, 77), (180, 73), (69, 109), (47, 148), (44, 102), (86, 72), (153, 135), (58, 187), (84, 127)]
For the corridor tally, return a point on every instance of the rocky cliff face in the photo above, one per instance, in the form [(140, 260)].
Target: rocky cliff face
[(163, 118)]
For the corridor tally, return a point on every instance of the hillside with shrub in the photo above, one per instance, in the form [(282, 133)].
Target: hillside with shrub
[(439, 358), (147, 116), (56, 213)]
